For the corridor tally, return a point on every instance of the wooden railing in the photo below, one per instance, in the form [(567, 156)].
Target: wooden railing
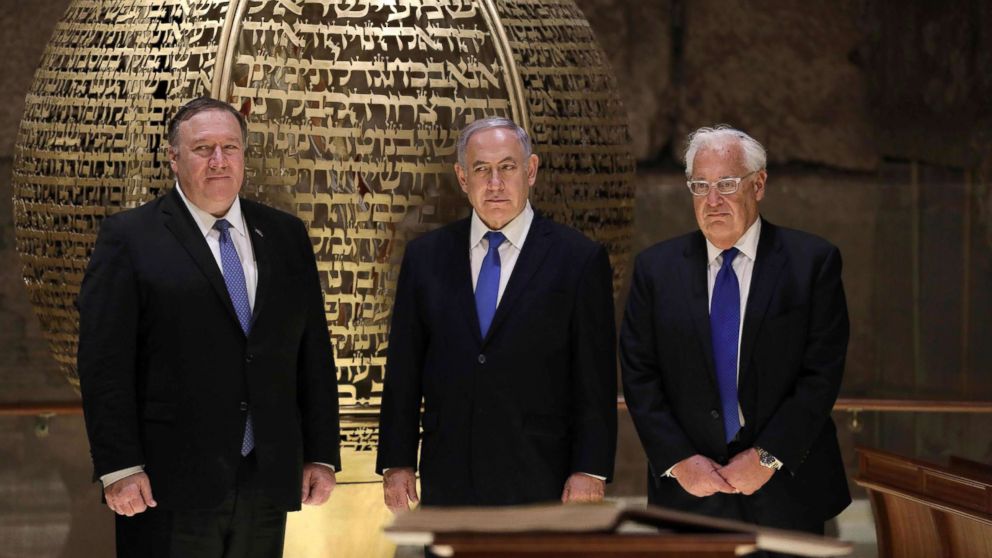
[(40, 408), (849, 404), (857, 405)]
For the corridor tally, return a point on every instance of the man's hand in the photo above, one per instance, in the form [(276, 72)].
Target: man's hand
[(318, 483), (399, 488), (580, 487), (131, 495), (745, 472), (698, 475)]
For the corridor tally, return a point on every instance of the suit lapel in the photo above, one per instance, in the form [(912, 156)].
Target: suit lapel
[(461, 264), (181, 224), (528, 262), (768, 265), (694, 277), (260, 246)]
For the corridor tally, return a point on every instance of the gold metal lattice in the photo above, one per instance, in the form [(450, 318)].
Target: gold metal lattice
[(353, 110)]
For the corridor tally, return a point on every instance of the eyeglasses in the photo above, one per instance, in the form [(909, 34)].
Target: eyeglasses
[(725, 186)]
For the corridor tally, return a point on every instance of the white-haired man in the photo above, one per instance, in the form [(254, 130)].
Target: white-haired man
[(732, 350)]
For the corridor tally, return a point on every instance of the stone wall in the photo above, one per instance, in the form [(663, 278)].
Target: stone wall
[(843, 84)]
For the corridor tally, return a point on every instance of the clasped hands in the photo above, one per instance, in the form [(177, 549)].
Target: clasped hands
[(399, 489), (701, 476)]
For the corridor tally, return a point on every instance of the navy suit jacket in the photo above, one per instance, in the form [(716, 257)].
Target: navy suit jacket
[(507, 418), (167, 374), (792, 353)]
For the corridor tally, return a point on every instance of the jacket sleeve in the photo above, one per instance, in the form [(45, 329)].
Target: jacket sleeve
[(800, 417), (318, 385), (594, 370), (108, 306), (642, 371), (399, 416)]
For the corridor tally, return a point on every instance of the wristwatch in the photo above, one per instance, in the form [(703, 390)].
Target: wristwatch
[(768, 460)]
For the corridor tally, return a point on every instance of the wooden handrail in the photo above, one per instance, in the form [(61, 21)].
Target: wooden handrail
[(912, 405), (40, 408), (858, 404), (849, 404)]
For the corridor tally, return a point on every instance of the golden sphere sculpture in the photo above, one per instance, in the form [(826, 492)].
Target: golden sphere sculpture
[(353, 109)]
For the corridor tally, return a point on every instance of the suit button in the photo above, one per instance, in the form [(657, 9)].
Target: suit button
[(482, 359), (249, 358), (715, 414), (244, 405)]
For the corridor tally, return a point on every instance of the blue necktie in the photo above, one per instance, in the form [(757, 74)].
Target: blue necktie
[(725, 323), (487, 286), (237, 289)]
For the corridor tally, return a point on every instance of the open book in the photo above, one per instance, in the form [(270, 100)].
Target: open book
[(420, 526)]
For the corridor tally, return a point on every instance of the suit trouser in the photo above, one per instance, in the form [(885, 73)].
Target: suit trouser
[(244, 525)]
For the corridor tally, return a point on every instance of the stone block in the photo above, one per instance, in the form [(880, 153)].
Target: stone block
[(636, 36), (785, 73)]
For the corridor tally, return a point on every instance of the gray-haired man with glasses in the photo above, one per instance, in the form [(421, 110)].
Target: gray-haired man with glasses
[(732, 350)]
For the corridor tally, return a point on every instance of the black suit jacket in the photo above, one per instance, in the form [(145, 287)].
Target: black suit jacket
[(167, 374), (793, 348), (507, 418)]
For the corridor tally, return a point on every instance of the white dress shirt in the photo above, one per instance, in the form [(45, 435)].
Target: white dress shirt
[(515, 232), (239, 236), (744, 268)]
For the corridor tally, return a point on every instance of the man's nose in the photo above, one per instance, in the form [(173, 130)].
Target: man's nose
[(713, 197), (217, 158), (495, 181)]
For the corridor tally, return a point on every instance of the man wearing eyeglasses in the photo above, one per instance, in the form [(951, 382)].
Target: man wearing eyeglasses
[(732, 351)]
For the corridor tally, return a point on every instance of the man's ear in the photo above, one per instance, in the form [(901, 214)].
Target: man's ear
[(533, 162), (173, 155), (759, 185), (462, 177)]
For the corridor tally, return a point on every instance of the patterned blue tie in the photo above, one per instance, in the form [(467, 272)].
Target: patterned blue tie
[(725, 323), (234, 278), (487, 286)]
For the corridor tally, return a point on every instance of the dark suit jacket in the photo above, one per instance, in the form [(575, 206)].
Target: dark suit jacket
[(792, 353), (507, 418), (165, 368)]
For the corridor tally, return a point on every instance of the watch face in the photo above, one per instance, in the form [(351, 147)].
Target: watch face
[(766, 459)]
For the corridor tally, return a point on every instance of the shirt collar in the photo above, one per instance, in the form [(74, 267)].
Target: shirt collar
[(205, 221), (747, 243), (515, 231)]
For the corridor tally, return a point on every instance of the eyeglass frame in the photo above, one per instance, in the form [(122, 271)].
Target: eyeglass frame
[(735, 179)]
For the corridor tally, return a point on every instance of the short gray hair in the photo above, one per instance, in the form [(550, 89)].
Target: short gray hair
[(755, 157), (488, 124), (203, 104)]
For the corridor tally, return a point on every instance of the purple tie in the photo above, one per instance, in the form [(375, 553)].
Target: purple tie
[(725, 323), (237, 289)]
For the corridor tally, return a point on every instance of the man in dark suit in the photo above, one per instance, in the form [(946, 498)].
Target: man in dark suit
[(503, 329), (732, 350), (206, 371)]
